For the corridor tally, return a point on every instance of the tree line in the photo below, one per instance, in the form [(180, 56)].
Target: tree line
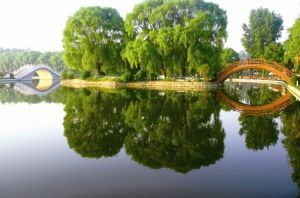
[(175, 37), (11, 59), (161, 37)]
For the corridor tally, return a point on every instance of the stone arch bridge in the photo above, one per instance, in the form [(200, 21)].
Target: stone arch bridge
[(277, 69), (32, 72), (34, 79)]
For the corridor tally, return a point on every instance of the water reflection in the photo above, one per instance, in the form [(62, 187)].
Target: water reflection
[(180, 132), (254, 94), (291, 129), (34, 87), (177, 131), (260, 131), (93, 123)]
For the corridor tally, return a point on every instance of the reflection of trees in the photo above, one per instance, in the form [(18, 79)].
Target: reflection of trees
[(262, 96), (259, 131), (180, 132), (291, 128), (252, 94), (177, 131), (93, 123)]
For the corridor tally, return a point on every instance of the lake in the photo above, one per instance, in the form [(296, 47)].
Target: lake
[(239, 141)]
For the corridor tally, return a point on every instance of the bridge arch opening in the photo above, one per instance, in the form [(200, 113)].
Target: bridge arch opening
[(277, 69), (42, 74), (42, 85)]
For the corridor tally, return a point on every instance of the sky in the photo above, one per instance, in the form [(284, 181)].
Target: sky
[(38, 24)]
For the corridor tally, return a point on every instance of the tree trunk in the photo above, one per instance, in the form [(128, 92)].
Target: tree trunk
[(165, 71), (98, 67), (183, 71)]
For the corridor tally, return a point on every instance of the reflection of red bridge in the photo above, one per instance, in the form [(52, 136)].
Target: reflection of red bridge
[(277, 69), (271, 108)]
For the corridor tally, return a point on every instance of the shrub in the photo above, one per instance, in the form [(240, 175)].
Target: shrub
[(85, 74), (140, 75), (152, 76), (294, 80), (127, 77), (67, 75)]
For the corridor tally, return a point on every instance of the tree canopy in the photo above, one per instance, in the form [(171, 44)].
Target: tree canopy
[(176, 37), (93, 37), (292, 46), (264, 28), (229, 56)]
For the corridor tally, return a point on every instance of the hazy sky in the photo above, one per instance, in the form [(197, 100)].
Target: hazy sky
[(38, 24)]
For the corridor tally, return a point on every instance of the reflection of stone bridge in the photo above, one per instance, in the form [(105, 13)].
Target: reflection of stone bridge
[(273, 67), (271, 108), (36, 87), (31, 72)]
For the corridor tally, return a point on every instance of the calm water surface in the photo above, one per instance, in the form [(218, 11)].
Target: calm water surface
[(125, 143)]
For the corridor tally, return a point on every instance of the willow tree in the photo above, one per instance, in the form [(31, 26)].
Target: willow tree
[(93, 37), (187, 35)]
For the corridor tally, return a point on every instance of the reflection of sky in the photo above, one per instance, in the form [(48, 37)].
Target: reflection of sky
[(37, 162)]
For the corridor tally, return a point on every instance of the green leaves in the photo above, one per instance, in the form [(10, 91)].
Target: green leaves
[(178, 35), (264, 28), (229, 56), (93, 37), (292, 46)]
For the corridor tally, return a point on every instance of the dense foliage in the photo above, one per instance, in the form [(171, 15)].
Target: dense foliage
[(292, 46), (176, 37), (291, 129), (93, 38), (229, 56), (11, 59), (98, 124), (264, 29)]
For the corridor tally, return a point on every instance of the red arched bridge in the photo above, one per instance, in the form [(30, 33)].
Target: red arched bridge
[(277, 69)]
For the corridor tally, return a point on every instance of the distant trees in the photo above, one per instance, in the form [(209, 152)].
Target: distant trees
[(263, 30), (292, 46), (93, 37), (10, 59)]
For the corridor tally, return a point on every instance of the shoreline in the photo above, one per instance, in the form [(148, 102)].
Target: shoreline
[(168, 85), (149, 85)]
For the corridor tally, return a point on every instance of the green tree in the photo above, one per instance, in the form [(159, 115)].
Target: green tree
[(185, 35), (229, 56), (274, 52), (264, 28), (93, 37), (292, 46)]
